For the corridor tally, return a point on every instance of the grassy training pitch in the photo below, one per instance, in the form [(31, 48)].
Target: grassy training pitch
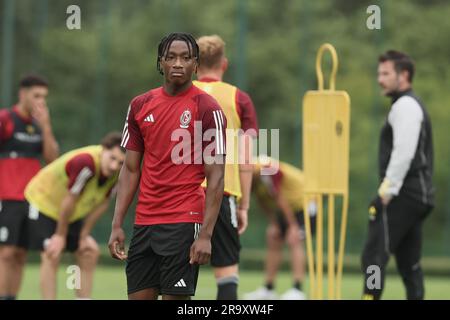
[(110, 284)]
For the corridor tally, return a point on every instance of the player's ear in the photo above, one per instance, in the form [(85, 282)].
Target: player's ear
[(224, 64), (404, 75), (22, 93), (161, 70)]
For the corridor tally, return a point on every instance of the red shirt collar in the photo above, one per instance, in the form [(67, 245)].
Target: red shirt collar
[(15, 109), (181, 94)]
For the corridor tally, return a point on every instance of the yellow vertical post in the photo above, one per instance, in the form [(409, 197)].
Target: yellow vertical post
[(309, 249), (319, 249), (341, 247), (326, 145), (331, 265)]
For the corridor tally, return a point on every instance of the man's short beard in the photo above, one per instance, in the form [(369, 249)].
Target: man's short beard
[(393, 92)]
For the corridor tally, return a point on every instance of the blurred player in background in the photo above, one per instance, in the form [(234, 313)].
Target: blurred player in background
[(25, 137), (240, 113), (67, 197), (406, 192), (174, 219), (281, 197)]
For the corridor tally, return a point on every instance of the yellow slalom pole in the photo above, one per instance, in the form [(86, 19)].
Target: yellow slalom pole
[(326, 117), (319, 249), (331, 265), (342, 245), (309, 249)]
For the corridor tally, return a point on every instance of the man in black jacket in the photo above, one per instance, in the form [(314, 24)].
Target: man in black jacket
[(405, 195)]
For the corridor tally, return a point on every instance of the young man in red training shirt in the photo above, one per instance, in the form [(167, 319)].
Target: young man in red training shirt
[(25, 136), (174, 219)]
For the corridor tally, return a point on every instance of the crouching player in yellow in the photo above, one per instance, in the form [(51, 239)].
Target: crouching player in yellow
[(68, 196), (280, 195)]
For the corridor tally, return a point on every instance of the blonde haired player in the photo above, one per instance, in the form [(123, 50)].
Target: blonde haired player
[(240, 113)]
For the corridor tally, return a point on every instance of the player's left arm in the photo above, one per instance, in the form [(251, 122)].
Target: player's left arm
[(249, 124), (245, 179), (201, 249), (86, 241), (92, 218), (50, 148), (213, 121)]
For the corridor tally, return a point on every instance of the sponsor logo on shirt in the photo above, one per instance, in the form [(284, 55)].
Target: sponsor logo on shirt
[(30, 138)]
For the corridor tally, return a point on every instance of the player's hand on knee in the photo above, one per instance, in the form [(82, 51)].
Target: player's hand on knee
[(55, 246), (116, 244), (200, 251)]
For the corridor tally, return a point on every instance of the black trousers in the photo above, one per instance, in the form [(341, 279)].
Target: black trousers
[(394, 229)]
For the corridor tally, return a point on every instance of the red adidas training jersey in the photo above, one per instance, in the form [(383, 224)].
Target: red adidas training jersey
[(20, 152), (162, 128)]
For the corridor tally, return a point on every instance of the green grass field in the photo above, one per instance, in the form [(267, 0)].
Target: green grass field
[(110, 284)]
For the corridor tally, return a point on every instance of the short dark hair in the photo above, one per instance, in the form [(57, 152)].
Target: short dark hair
[(165, 43), (402, 62), (112, 140), (32, 80)]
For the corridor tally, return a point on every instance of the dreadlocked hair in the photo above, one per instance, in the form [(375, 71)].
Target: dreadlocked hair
[(166, 42)]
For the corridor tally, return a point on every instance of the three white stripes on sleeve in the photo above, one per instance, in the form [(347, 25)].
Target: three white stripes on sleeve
[(220, 145), (125, 133), (84, 175)]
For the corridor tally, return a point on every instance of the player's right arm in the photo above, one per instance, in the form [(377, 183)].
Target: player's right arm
[(128, 182), (249, 125), (126, 188)]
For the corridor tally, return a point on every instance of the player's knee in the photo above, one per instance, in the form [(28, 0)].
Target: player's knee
[(90, 254), (223, 272), (7, 254), (273, 231), (95, 251), (294, 244), (273, 236), (408, 271), (51, 261), (21, 257)]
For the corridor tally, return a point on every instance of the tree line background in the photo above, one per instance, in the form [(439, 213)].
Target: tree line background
[(94, 72)]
